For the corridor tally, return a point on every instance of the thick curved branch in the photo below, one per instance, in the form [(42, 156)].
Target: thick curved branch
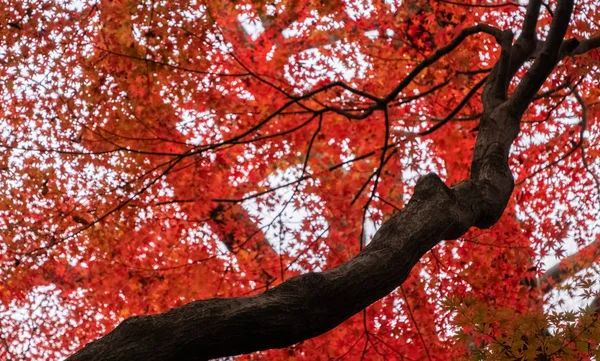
[(313, 303), (310, 304)]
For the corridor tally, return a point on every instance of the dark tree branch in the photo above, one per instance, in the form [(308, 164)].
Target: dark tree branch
[(586, 45), (526, 42), (531, 18), (545, 61), (497, 33), (502, 73), (311, 304), (569, 47)]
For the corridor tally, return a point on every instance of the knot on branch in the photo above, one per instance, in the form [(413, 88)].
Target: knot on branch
[(465, 210), (430, 185), (456, 201)]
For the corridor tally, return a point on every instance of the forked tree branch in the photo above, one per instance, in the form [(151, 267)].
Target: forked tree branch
[(545, 61), (313, 303), (526, 42)]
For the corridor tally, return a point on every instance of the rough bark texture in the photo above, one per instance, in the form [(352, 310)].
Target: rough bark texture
[(313, 303)]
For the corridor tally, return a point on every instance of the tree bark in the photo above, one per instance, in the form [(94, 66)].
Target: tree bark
[(313, 303)]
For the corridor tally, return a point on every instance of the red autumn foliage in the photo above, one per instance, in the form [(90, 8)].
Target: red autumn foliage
[(154, 153)]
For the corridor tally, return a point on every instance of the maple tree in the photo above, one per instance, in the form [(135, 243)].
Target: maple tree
[(218, 169)]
